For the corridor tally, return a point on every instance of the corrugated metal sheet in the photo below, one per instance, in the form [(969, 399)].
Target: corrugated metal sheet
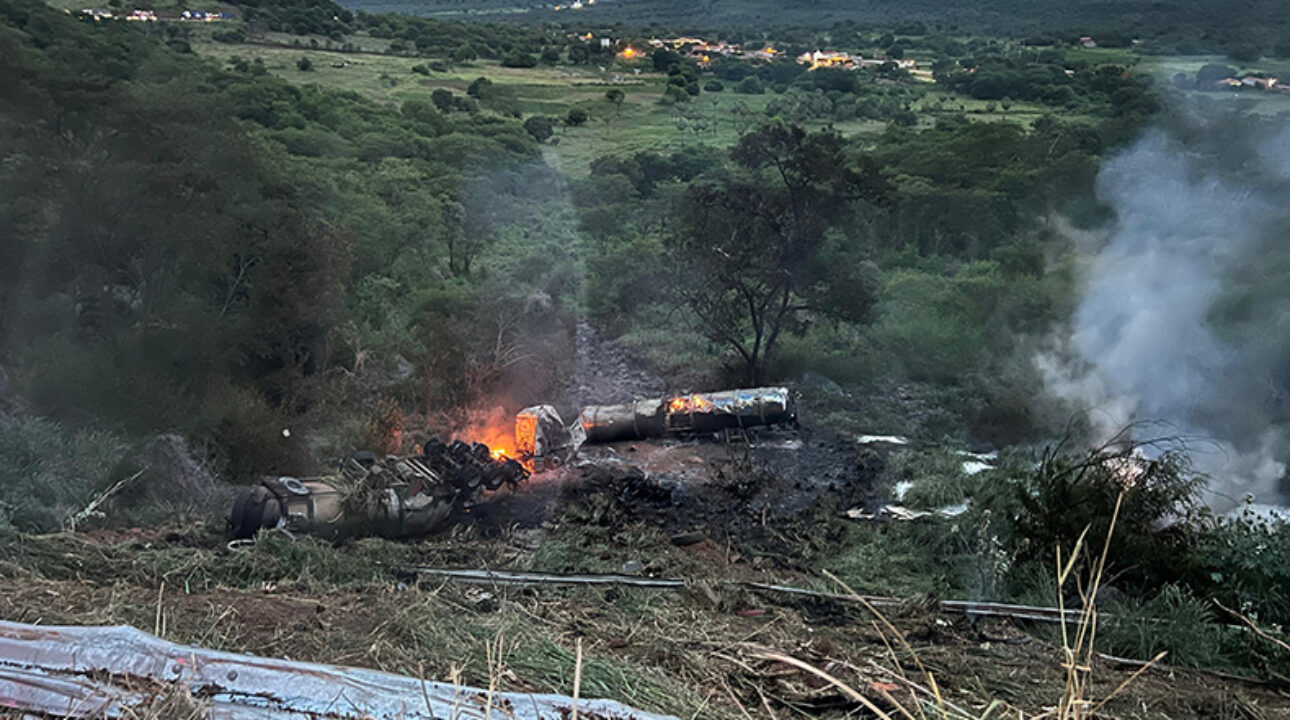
[(104, 672)]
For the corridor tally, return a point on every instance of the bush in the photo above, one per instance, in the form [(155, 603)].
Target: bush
[(48, 473), (750, 86), (714, 86), (519, 60), (673, 94), (421, 69), (576, 116), (539, 127), (304, 64)]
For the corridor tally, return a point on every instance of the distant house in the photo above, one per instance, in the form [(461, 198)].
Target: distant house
[(1088, 42), (828, 59)]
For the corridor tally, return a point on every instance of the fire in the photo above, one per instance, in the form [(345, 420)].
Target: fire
[(494, 428), (689, 404), (629, 53)]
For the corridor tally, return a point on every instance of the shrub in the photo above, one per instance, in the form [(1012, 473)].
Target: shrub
[(48, 473), (714, 86), (750, 86), (539, 127), (304, 64), (519, 60), (576, 116)]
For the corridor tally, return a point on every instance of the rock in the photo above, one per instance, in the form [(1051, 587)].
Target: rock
[(633, 567)]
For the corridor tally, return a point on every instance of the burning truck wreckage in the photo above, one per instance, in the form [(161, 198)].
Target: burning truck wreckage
[(411, 495), (112, 672)]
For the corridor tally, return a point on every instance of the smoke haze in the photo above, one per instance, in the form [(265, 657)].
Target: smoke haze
[(1185, 316)]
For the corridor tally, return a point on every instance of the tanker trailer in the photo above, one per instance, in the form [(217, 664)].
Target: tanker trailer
[(687, 414)]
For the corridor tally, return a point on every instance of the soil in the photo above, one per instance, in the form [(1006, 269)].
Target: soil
[(607, 372)]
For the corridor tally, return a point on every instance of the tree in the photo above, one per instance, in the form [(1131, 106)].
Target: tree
[(750, 254), (479, 87), (519, 59), (550, 55), (665, 59), (750, 86), (616, 96), (539, 127), (442, 99), (576, 116), (1211, 73), (304, 64)]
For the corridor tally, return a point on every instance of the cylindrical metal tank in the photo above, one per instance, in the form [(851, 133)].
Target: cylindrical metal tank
[(694, 413)]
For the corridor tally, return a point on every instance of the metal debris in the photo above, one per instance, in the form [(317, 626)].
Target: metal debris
[(392, 497), (108, 672)]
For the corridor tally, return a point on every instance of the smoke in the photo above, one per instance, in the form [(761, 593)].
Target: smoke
[(1184, 313)]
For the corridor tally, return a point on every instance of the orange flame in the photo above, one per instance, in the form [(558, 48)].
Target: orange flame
[(689, 404)]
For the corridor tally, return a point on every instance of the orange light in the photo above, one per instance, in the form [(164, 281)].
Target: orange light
[(629, 53), (499, 454)]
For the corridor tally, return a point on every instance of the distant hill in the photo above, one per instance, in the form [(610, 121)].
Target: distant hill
[(1191, 25)]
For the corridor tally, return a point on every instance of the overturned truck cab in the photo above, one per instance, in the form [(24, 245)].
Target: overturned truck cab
[(393, 497)]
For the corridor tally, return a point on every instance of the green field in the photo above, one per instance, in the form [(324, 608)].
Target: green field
[(641, 123)]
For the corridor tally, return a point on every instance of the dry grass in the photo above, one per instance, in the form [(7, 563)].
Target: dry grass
[(711, 652)]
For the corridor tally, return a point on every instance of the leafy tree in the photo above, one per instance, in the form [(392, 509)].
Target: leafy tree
[(442, 99), (713, 86), (673, 94), (304, 64), (616, 96), (479, 87), (752, 240), (550, 55), (665, 59), (1211, 73), (539, 127), (577, 116), (519, 59), (750, 86)]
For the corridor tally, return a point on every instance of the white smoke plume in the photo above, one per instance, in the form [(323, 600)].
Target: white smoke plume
[(1175, 324)]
